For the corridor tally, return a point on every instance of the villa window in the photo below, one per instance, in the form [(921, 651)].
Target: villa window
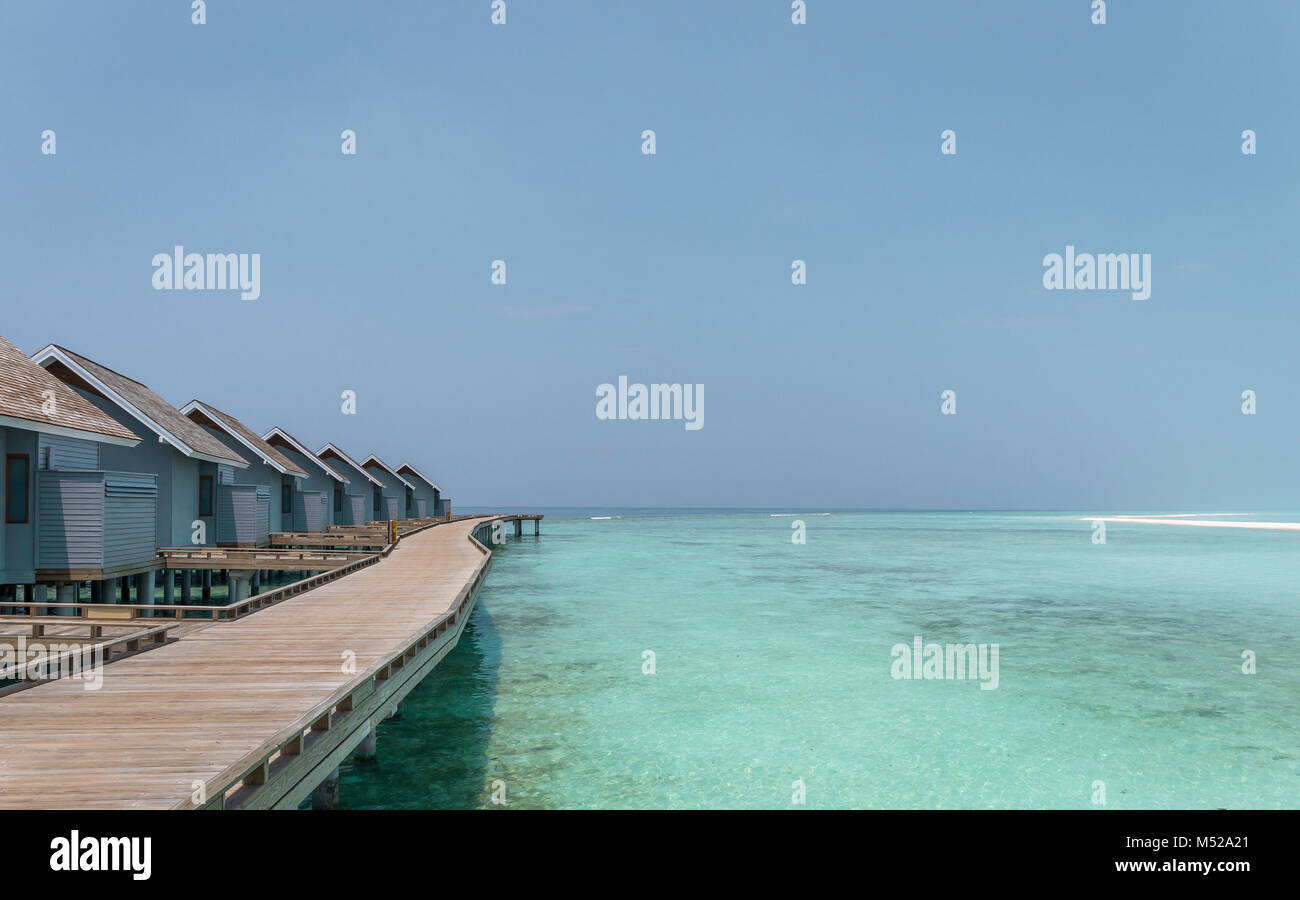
[(338, 499), (378, 504), (286, 498), (205, 496), (17, 473)]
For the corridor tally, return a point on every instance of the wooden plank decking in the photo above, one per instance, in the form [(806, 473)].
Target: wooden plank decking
[(224, 700)]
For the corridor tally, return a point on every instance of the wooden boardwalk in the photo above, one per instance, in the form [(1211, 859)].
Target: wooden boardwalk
[(250, 712)]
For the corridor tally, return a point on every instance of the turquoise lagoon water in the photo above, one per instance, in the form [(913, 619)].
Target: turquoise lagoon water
[(1118, 663)]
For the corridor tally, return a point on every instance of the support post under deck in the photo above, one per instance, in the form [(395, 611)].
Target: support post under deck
[(326, 795), (238, 583), (368, 748), (144, 590), (67, 593)]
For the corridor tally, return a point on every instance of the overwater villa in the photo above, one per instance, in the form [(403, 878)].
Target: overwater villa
[(187, 467), (398, 494), (428, 496), (321, 478), (59, 499), (365, 502), (260, 499), (190, 464)]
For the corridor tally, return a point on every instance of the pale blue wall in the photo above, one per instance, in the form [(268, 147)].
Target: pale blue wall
[(73, 523), (130, 505), (71, 533), (95, 520), (178, 475), (183, 493), (318, 480), (18, 545), (258, 473), (310, 511), (187, 513), (425, 493), (393, 490), (359, 486), (58, 452), (244, 517)]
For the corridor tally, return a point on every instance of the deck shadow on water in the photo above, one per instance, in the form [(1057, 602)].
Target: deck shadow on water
[(434, 756)]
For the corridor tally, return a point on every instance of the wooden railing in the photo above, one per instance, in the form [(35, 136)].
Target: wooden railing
[(225, 612), (103, 650), (250, 559), (295, 539)]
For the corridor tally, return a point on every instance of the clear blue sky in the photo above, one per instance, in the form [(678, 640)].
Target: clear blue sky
[(775, 142)]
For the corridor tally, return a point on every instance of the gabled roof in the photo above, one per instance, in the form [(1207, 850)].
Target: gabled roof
[(375, 460), (33, 399), (139, 401), (408, 469), (335, 451), (206, 414), (279, 435)]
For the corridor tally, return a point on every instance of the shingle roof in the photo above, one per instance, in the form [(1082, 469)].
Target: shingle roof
[(407, 467), (300, 447), (23, 387), (331, 448), (387, 468), (151, 406), (242, 432)]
